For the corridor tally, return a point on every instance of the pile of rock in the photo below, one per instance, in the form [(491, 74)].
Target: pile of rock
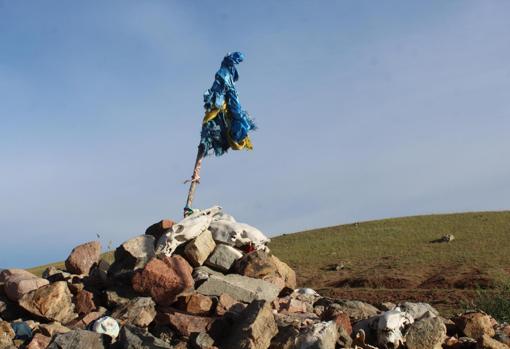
[(209, 282)]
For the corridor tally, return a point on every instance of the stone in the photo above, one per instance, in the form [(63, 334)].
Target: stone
[(53, 274), (227, 303), (7, 273), (322, 335), (335, 313), (39, 341), (108, 326), (223, 257), (130, 256), (285, 272), (198, 250), (418, 310), (202, 341), (132, 337), (83, 257), (53, 328), (255, 328), (293, 305), (83, 322), (84, 302), (52, 302), (344, 339), (139, 311), (357, 310), (22, 330), (285, 339), (475, 324), (119, 295), (16, 286), (80, 339), (428, 333), (241, 288), (202, 273), (196, 304), (7, 334), (185, 324), (486, 342), (157, 230), (164, 279)]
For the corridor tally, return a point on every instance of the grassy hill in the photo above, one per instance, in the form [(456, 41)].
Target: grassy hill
[(394, 260)]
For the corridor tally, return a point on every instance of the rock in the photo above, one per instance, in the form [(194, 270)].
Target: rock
[(157, 230), (7, 273), (84, 322), (6, 334), (387, 306), (98, 276), (52, 302), (164, 279), (196, 304), (198, 249), (39, 341), (475, 325), (202, 341), (22, 330), (254, 330), (426, 334), (130, 256), (285, 272), (108, 326), (185, 324), (52, 329), (132, 337), (223, 257), (356, 310), (335, 313), (84, 301), (486, 342), (80, 339), (285, 339), (241, 288), (262, 265), (16, 286), (119, 295), (322, 335), (83, 257), (227, 303), (139, 311), (202, 273), (418, 310), (53, 274), (293, 305), (344, 339)]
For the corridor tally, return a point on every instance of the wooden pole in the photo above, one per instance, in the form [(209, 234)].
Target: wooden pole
[(195, 179)]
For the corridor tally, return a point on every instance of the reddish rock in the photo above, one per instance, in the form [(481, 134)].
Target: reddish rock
[(49, 330), (85, 302), (185, 324), (475, 325), (83, 258), (196, 304), (334, 313), (158, 229), (139, 311), (7, 273), (164, 279), (18, 285), (227, 303), (39, 341), (83, 322)]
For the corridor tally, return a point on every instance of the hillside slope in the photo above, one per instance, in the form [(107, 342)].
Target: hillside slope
[(393, 259)]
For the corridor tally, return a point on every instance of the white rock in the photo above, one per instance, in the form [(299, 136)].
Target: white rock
[(107, 325)]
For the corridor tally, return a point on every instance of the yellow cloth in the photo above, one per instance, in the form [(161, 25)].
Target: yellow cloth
[(211, 115)]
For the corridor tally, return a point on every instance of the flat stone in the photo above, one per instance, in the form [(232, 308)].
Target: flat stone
[(241, 288), (475, 325), (357, 310), (39, 341), (17, 286), (132, 337), (53, 328), (52, 302), (223, 257), (83, 257), (139, 311), (227, 303), (164, 279), (426, 334), (80, 339), (185, 324), (198, 250), (7, 273), (254, 330)]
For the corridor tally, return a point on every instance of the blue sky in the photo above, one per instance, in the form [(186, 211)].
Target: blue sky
[(365, 110)]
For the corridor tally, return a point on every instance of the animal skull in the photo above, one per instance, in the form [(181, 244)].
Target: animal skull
[(390, 326), (237, 234), (186, 230)]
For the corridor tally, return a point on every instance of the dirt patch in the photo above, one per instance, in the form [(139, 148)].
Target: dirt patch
[(459, 278), (390, 282)]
